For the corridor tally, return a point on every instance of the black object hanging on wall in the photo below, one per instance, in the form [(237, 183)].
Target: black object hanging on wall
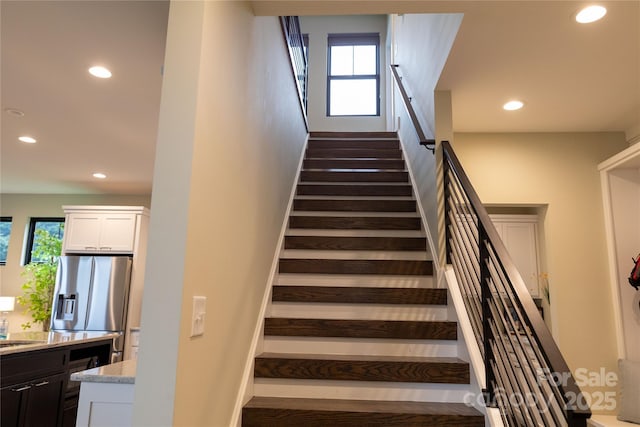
[(634, 277)]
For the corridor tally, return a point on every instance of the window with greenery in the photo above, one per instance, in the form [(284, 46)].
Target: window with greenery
[(53, 226), (353, 77), (5, 232)]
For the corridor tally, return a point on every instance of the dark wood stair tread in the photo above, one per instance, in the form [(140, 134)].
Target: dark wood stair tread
[(350, 153), (356, 266), (359, 295), (354, 205), (354, 176), (363, 358), (398, 329), (356, 243), (393, 164), (354, 190), (355, 222), (281, 412), (362, 368)]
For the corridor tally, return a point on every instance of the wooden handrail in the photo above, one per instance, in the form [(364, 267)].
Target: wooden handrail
[(430, 144)]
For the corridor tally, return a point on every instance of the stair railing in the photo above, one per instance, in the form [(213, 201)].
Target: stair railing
[(298, 56), (526, 376), (429, 144)]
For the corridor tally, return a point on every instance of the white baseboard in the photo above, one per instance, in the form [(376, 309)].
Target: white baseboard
[(423, 216)]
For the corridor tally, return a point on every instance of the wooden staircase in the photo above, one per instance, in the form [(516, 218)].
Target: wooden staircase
[(356, 334)]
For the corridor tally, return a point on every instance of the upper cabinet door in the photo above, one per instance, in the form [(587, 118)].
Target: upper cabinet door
[(100, 232), (117, 233), (82, 232)]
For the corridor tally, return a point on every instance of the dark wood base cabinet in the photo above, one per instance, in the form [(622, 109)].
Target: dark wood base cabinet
[(36, 403), (36, 390), (70, 411)]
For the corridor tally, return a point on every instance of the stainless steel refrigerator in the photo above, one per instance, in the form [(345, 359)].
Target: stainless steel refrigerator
[(91, 294)]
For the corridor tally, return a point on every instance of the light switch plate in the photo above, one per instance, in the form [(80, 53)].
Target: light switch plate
[(198, 316)]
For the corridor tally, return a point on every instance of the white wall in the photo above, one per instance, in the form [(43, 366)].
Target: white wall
[(318, 27), (558, 170), (230, 139), (21, 208), (421, 44), (624, 187), (620, 176)]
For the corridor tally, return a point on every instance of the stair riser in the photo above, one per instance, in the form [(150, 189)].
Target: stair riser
[(356, 243), (364, 347), (339, 266), (359, 370), (353, 190), (351, 153), (320, 176), (360, 329), (353, 164), (359, 295), (354, 143), (355, 205), (355, 223), (326, 389), (350, 135)]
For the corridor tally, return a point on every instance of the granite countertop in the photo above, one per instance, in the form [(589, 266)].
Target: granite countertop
[(27, 341), (118, 373)]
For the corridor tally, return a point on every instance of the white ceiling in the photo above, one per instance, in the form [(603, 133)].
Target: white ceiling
[(571, 77), (83, 124)]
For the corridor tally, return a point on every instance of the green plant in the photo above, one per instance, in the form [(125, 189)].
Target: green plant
[(38, 289)]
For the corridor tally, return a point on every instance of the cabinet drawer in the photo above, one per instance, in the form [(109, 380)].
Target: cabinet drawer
[(25, 367)]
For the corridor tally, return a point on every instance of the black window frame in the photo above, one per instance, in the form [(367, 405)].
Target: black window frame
[(31, 234), (8, 219), (353, 39)]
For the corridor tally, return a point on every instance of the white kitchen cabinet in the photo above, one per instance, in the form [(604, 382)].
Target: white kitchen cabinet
[(519, 234), (103, 232), (106, 395)]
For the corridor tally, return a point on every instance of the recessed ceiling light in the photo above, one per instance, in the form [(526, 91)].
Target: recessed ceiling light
[(99, 175), (513, 105), (27, 139), (591, 14), (14, 112), (100, 72)]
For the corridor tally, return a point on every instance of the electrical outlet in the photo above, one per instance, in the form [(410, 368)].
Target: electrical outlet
[(198, 316)]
